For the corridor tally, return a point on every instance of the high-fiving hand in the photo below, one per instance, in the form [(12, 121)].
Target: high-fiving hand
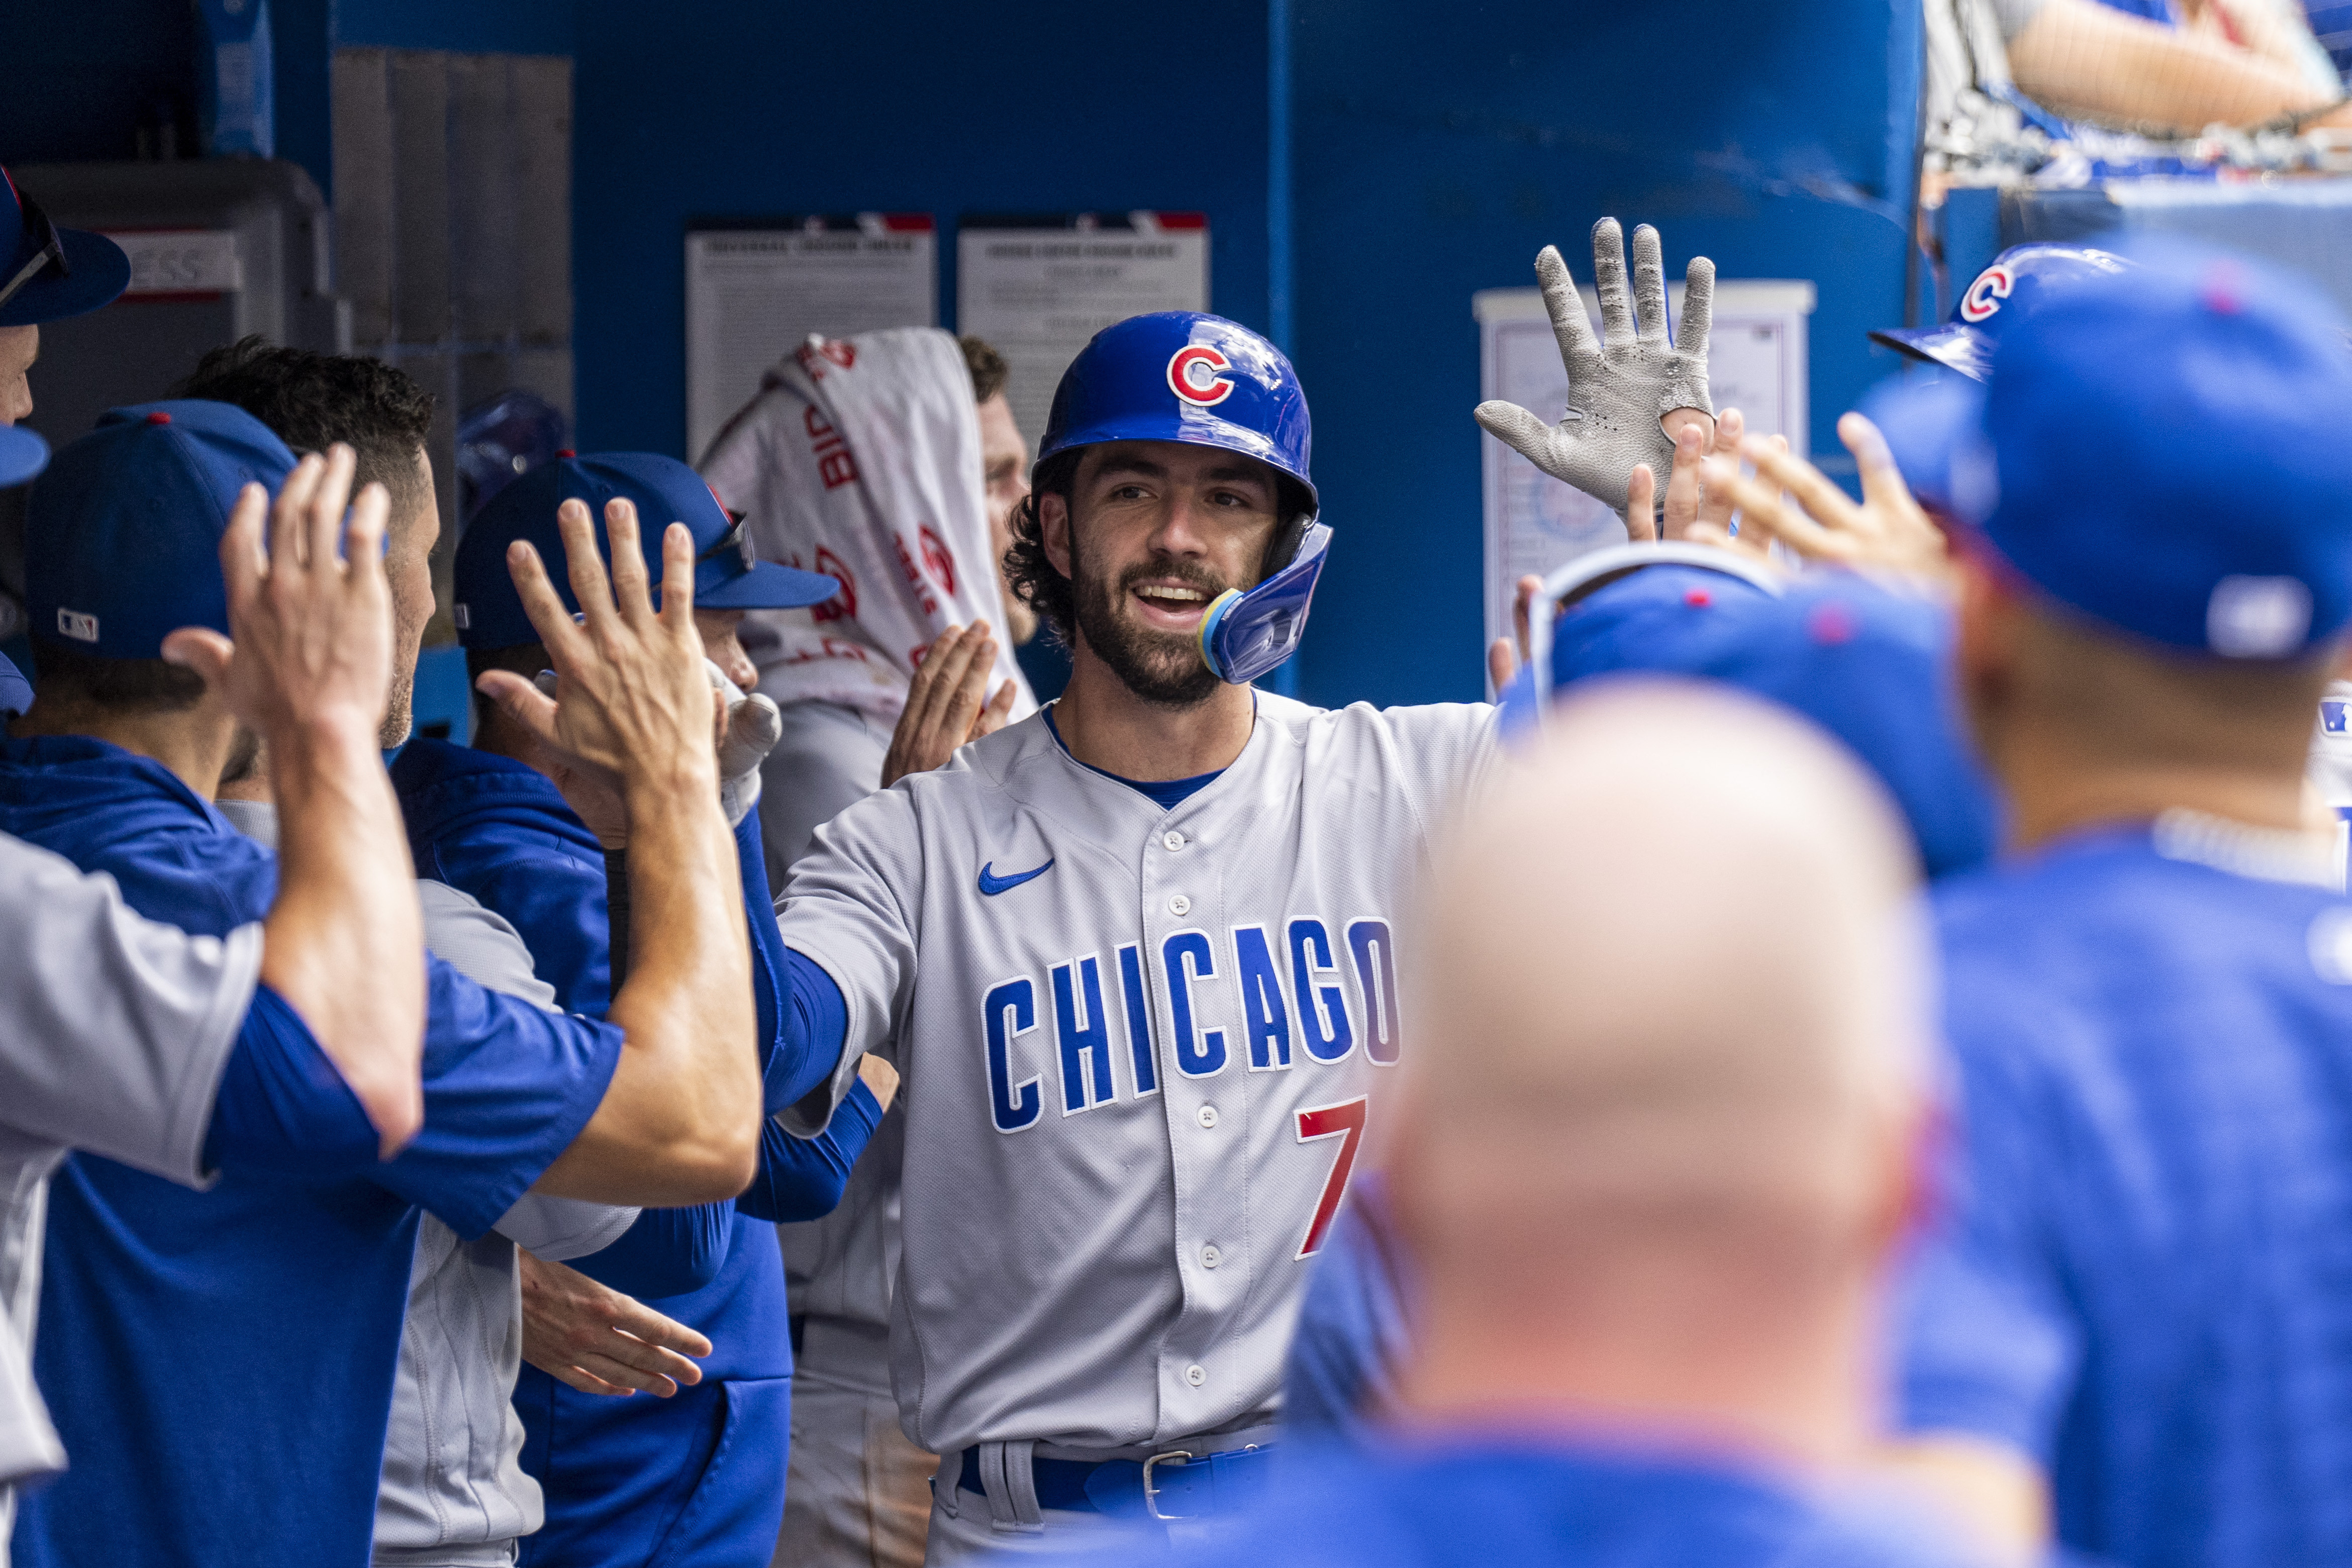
[(1620, 385), (631, 700)]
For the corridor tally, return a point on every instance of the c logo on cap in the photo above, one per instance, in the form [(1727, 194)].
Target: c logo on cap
[(1985, 295), (1193, 375)]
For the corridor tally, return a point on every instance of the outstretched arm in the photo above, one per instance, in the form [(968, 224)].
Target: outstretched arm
[(2083, 58), (680, 1122), (308, 669)]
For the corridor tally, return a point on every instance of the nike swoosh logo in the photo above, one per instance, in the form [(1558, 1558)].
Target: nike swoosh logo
[(990, 884)]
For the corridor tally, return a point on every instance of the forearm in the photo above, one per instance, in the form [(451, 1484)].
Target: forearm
[(680, 1122), (2082, 58), (344, 942)]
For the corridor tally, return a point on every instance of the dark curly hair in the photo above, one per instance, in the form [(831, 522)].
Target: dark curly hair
[(1028, 570), (312, 399), (1033, 575)]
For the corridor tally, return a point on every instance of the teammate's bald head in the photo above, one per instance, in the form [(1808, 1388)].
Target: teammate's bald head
[(1670, 967)]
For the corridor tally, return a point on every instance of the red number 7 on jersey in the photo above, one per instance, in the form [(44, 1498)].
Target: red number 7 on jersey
[(1344, 1122)]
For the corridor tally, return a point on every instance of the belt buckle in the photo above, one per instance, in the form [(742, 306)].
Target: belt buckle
[(1152, 1493)]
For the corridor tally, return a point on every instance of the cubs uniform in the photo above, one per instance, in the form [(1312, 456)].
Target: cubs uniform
[(114, 1035), (1140, 1045)]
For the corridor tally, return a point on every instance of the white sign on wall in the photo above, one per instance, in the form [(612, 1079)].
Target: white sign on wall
[(1037, 288), (1756, 363), (181, 262), (754, 295)]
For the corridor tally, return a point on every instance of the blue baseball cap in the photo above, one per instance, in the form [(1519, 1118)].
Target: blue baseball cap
[(16, 691), (48, 273), (727, 575), (2020, 280), (2166, 454), (122, 534), (1871, 666), (23, 454), (1181, 375)]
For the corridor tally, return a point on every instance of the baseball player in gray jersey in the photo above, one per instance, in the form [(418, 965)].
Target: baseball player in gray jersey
[(1134, 955), (116, 1033)]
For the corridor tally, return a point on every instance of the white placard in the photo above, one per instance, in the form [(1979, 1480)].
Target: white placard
[(1037, 294), (752, 296), (1756, 363), (180, 260)]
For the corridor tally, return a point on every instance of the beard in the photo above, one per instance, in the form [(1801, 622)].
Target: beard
[(398, 707), (1162, 667)]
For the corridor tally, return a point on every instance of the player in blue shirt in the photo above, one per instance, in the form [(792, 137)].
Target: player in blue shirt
[(1871, 666), (1653, 1228), (265, 1315), (624, 1478), (2129, 1332)]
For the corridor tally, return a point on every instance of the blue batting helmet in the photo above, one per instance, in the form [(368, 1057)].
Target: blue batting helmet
[(2018, 283), (1181, 375)]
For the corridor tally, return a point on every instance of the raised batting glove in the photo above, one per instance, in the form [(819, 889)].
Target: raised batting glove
[(1622, 385), (753, 727)]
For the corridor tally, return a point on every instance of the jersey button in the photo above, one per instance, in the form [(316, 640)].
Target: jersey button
[(1196, 1375), (1208, 1116), (1211, 1256), (1171, 839), (1179, 905)]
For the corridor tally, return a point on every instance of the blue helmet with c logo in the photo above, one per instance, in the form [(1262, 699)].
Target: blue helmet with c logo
[(1181, 375), (2008, 292)]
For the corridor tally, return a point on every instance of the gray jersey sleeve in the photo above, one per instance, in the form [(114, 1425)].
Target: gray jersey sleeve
[(480, 944), (28, 1444), (850, 907), (114, 1030)]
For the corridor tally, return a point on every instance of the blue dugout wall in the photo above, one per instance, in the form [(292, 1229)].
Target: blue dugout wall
[(1365, 164)]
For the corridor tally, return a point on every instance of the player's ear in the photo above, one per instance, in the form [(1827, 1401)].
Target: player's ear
[(1053, 528)]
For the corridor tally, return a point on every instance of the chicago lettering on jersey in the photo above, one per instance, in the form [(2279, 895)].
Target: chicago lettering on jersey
[(1081, 1034)]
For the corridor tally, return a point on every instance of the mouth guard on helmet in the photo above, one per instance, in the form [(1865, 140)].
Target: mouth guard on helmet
[(1243, 636)]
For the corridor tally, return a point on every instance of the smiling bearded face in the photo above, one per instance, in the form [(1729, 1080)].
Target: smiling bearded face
[(1161, 666)]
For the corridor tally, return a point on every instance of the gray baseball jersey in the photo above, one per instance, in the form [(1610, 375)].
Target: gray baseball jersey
[(1138, 1047), (453, 1490), (114, 1032)]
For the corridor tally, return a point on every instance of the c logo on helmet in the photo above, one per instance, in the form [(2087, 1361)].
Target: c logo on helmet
[(1985, 295), (1195, 374)]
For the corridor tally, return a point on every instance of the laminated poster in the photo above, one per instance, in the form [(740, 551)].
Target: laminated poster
[(753, 294)]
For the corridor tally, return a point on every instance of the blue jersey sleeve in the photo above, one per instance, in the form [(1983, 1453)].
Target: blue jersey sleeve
[(506, 1089), (816, 1030), (802, 1178), (668, 1252), (1352, 1327), (283, 1108), (772, 979), (1990, 1345)]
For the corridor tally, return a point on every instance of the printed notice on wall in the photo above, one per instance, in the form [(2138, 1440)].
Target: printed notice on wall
[(1535, 523), (1038, 288), (754, 295)]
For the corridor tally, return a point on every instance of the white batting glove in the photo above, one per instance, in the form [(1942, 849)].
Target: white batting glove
[(1622, 385), (753, 727)]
